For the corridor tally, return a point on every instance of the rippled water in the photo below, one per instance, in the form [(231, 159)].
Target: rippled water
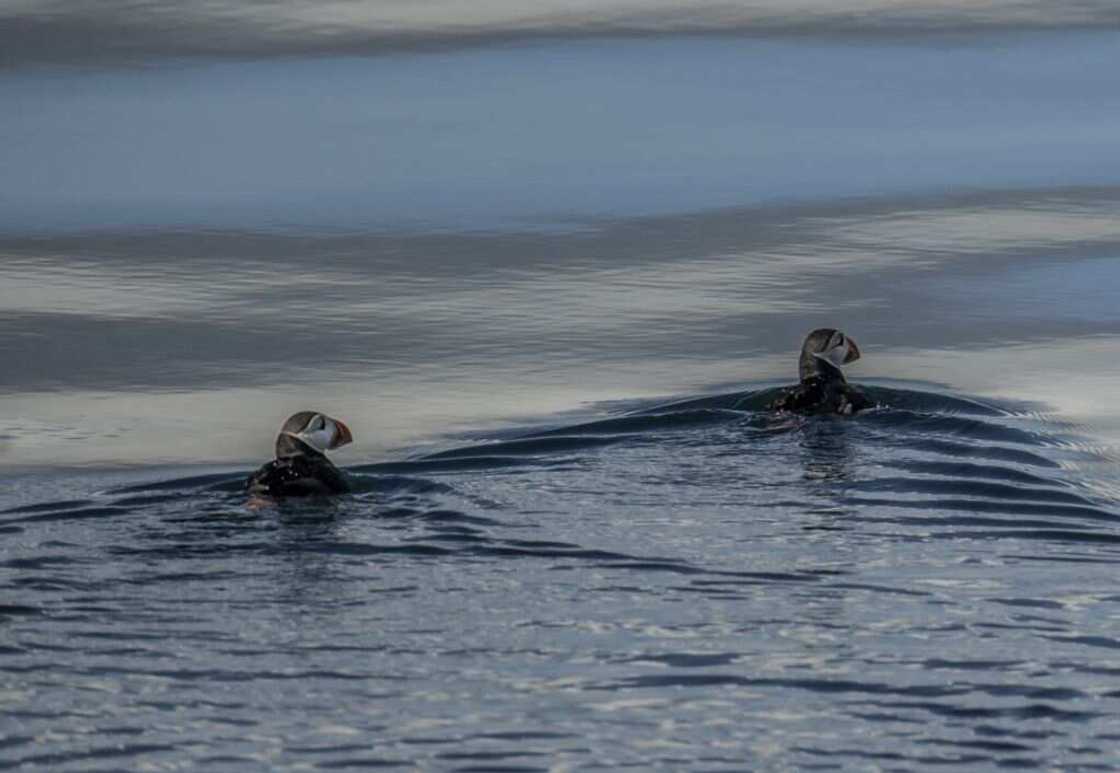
[(698, 585), (551, 286)]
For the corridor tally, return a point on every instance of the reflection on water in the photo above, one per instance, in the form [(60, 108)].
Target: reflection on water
[(576, 539), (55, 31), (509, 137), (934, 571), (187, 347)]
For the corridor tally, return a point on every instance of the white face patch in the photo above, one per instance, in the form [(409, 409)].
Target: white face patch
[(836, 355), (319, 439)]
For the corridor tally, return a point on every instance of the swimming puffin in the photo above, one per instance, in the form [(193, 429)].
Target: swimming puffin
[(823, 388), (301, 467)]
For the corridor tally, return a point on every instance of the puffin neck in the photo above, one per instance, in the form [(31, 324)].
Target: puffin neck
[(288, 446), (820, 368)]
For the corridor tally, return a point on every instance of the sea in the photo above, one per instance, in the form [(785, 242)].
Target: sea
[(550, 262)]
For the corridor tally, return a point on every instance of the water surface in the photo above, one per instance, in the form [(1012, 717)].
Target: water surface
[(551, 280)]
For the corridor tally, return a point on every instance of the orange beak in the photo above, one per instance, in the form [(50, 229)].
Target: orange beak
[(343, 436), (853, 352)]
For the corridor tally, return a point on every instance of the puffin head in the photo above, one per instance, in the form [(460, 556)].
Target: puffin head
[(825, 350), (311, 430)]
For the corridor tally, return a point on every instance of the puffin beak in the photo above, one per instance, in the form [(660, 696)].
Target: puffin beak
[(342, 436), (853, 352)]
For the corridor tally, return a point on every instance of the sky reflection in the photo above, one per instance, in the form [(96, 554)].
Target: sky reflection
[(500, 136), (130, 341), (37, 32)]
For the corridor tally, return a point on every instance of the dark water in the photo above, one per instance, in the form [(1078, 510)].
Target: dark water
[(695, 586), (551, 282)]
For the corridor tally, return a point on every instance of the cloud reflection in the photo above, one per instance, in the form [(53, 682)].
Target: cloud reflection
[(135, 340), (117, 31)]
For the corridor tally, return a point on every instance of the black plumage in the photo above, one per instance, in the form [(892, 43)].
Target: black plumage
[(294, 476), (822, 395), (823, 388), (301, 469)]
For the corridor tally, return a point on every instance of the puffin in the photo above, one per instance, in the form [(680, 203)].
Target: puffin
[(823, 388), (301, 467)]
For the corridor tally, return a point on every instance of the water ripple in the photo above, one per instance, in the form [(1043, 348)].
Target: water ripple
[(704, 558)]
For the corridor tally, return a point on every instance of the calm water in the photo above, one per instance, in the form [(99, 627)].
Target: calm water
[(549, 282)]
